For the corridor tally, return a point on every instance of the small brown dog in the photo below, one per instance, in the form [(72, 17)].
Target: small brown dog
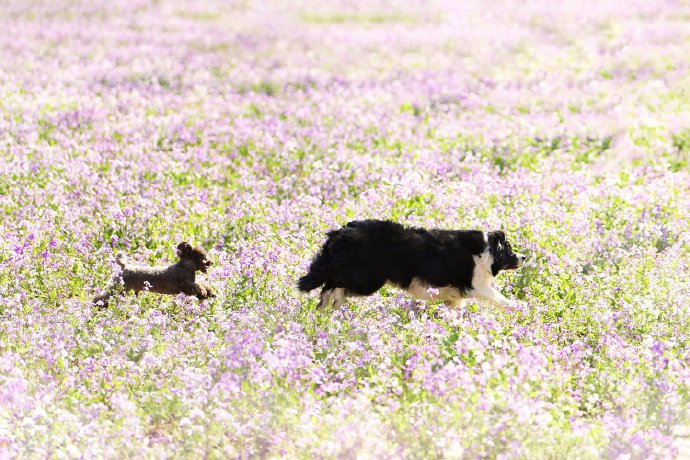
[(173, 279)]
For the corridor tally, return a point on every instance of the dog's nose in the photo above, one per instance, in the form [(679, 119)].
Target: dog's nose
[(522, 257)]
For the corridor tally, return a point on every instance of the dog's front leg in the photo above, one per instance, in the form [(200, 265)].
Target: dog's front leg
[(201, 291), (190, 288), (455, 303), (205, 291), (491, 294)]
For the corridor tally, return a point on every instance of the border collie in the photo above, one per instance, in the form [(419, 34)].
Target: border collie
[(447, 265)]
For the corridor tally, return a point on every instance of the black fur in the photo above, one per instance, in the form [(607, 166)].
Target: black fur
[(363, 255)]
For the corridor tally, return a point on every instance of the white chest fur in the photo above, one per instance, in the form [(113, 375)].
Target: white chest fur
[(482, 277), (483, 280)]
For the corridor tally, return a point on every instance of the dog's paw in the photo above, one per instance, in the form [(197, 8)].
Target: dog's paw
[(205, 291)]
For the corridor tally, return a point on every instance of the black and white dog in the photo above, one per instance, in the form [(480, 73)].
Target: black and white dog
[(448, 265)]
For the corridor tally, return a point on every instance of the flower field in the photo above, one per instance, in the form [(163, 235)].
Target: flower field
[(251, 129)]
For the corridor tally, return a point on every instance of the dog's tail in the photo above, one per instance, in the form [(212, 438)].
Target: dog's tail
[(310, 281), (318, 272), (101, 300)]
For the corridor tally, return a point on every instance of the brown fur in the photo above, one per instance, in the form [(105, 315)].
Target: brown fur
[(173, 279)]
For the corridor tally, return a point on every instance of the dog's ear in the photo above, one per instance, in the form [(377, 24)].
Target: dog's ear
[(497, 236), (184, 249)]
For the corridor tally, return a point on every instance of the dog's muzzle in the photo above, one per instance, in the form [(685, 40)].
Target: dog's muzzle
[(521, 258)]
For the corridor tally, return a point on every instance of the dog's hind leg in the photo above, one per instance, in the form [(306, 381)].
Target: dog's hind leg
[(339, 296), (420, 290), (327, 294), (326, 298)]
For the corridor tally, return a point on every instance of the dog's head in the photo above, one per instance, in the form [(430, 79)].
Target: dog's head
[(504, 257), (197, 255)]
